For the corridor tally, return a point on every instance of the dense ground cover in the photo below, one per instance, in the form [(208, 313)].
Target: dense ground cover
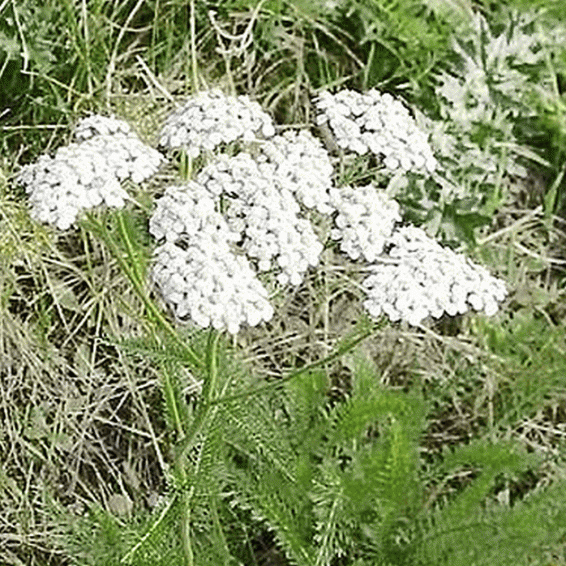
[(321, 436)]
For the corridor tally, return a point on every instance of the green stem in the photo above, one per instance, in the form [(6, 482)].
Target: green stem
[(185, 166), (185, 494), (184, 438), (172, 403), (206, 396), (340, 351), (155, 314), (186, 528), (188, 441)]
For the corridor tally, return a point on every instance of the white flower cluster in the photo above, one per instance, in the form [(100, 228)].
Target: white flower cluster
[(366, 218), (303, 167), (196, 271), (97, 125), (183, 211), (210, 118), (210, 285), (378, 123), (422, 278), (412, 275), (84, 175), (266, 212)]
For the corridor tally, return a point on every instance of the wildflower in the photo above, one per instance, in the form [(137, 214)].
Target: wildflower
[(210, 118), (86, 174), (213, 288), (303, 167), (266, 213), (185, 211), (365, 220), (196, 270), (376, 123), (96, 125), (421, 278)]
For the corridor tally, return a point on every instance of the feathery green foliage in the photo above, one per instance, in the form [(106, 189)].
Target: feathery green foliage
[(340, 479), (473, 530)]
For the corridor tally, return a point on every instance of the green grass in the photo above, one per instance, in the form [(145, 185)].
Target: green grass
[(442, 444)]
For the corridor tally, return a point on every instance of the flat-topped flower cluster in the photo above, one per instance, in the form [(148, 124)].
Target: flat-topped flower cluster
[(303, 166), (366, 218), (87, 173), (246, 214), (196, 269), (377, 123), (422, 278), (210, 118), (266, 212)]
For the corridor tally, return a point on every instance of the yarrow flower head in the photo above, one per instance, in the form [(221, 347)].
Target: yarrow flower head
[(366, 218), (303, 166), (210, 118), (196, 270), (266, 213), (421, 278), (209, 285), (97, 125), (376, 123), (84, 175), (183, 212)]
